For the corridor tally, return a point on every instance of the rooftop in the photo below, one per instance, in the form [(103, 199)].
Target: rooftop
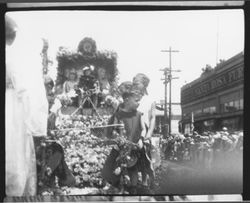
[(218, 68)]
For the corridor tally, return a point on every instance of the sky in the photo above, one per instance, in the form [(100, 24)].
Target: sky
[(138, 37)]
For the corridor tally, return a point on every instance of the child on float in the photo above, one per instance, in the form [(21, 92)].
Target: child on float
[(135, 131), (69, 87), (71, 83)]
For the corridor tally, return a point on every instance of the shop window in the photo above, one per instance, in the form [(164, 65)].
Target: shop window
[(237, 104), (232, 106), (206, 110), (229, 106), (231, 103), (209, 110), (212, 109)]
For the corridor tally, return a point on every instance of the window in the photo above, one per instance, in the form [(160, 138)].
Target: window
[(237, 104), (228, 107), (212, 109), (209, 110), (206, 111), (232, 106)]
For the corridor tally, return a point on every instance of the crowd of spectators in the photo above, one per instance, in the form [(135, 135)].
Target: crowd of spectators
[(202, 149)]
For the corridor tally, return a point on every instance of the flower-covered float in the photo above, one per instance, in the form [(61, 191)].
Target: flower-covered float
[(72, 145)]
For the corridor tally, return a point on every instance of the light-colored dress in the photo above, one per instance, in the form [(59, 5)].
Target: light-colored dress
[(69, 86), (25, 116), (104, 86)]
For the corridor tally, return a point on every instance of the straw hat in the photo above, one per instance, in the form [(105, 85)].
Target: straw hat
[(141, 82)]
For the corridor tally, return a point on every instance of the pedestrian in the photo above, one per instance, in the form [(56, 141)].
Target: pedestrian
[(26, 111), (147, 107), (210, 152)]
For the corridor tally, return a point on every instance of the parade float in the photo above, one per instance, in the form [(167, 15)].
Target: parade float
[(79, 126)]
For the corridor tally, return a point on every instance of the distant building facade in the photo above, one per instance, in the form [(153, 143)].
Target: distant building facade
[(176, 117), (216, 98)]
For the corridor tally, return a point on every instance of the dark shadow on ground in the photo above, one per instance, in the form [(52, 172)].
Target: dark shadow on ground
[(225, 177)]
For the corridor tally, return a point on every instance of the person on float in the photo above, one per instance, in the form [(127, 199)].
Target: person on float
[(52, 99), (103, 83), (49, 85), (135, 130), (88, 85), (71, 83), (26, 110), (103, 80)]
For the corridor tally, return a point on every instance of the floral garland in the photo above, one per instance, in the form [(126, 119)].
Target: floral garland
[(68, 59)]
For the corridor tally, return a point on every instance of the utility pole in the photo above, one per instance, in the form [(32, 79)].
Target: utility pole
[(165, 70), (170, 84)]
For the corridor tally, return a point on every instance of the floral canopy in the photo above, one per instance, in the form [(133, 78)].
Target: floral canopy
[(86, 55)]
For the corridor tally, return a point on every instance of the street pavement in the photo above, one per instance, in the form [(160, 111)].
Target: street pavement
[(175, 178)]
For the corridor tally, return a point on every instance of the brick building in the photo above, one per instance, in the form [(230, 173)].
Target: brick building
[(216, 98)]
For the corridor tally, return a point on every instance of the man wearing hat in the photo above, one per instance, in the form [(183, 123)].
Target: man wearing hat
[(147, 107)]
